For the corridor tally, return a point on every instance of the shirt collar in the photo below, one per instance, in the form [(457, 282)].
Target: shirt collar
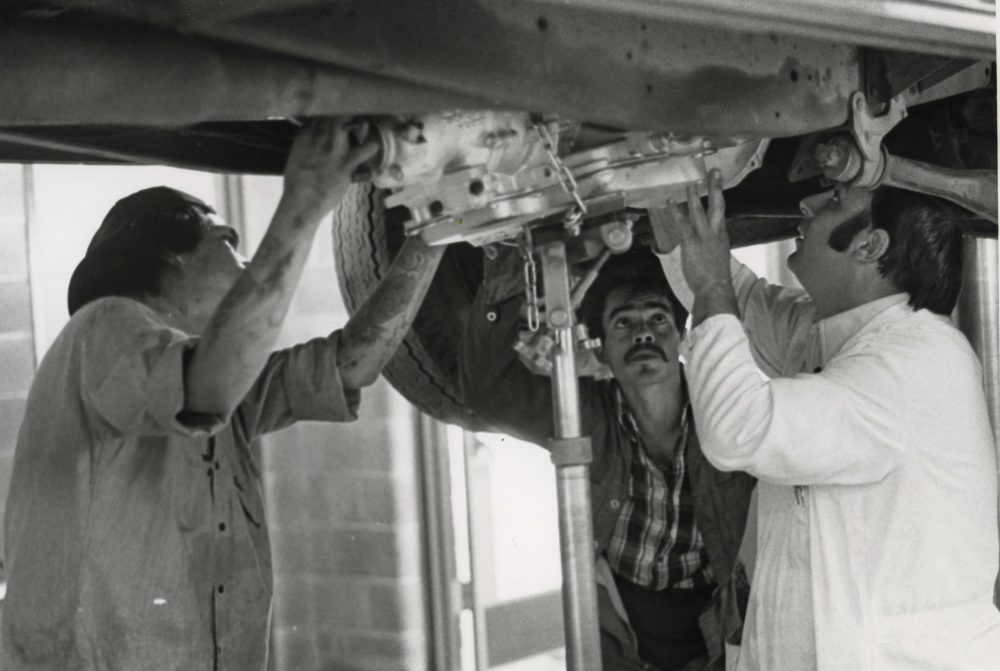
[(626, 420), (835, 331)]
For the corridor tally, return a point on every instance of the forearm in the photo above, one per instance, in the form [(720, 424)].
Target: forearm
[(242, 332), (713, 300), (374, 332), (743, 279), (771, 314)]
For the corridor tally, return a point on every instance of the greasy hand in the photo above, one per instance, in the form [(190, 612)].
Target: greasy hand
[(323, 161), (705, 250)]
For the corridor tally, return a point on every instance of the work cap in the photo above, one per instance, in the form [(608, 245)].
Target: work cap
[(129, 226)]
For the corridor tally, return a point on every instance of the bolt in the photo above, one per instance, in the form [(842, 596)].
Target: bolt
[(559, 318), (395, 172), (839, 159), (829, 155), (616, 237)]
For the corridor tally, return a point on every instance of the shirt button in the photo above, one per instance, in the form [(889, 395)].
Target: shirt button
[(222, 526), (615, 504), (216, 465), (210, 471), (221, 589)]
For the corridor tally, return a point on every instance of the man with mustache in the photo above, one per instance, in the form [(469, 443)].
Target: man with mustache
[(869, 431), (667, 525)]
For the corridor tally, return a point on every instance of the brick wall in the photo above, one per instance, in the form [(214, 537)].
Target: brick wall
[(342, 506), (17, 356)]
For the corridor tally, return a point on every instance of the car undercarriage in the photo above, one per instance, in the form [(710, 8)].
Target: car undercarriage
[(542, 125)]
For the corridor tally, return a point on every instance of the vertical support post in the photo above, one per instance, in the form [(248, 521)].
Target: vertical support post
[(571, 456), (977, 318), (444, 636), (482, 583), (977, 315)]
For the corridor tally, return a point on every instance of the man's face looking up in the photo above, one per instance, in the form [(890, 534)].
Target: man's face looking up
[(640, 338), (820, 268)]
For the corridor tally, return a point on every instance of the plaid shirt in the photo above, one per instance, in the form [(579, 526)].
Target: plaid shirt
[(656, 543)]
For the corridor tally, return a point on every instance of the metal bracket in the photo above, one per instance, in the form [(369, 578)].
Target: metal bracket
[(867, 164), (854, 152), (868, 133), (856, 157), (869, 130)]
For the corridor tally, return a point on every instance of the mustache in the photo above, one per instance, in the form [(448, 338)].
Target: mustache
[(645, 347)]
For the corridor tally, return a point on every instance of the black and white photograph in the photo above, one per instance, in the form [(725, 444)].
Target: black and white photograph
[(499, 335)]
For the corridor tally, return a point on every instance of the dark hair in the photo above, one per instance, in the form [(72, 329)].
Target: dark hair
[(639, 269), (924, 256), (134, 262)]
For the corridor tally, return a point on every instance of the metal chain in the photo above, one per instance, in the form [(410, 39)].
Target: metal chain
[(530, 281), (566, 181)]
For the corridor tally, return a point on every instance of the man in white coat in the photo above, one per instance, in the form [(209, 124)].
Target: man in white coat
[(860, 408)]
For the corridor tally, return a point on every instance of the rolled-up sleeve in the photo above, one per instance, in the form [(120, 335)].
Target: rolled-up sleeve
[(835, 427), (299, 383), (774, 316), (132, 372)]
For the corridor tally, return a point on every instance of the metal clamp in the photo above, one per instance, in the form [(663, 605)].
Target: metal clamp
[(570, 451)]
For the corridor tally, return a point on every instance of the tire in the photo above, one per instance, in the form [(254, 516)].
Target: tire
[(366, 237)]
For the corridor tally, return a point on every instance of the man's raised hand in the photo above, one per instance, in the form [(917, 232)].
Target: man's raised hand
[(705, 250), (324, 159)]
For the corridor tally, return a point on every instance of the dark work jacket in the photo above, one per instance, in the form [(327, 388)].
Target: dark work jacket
[(511, 399)]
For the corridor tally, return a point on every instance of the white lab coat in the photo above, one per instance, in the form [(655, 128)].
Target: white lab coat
[(877, 538)]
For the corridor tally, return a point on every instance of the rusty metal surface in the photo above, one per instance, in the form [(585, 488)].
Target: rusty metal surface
[(595, 63), (257, 147), (599, 65), (628, 64), (96, 74), (955, 28), (767, 69)]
